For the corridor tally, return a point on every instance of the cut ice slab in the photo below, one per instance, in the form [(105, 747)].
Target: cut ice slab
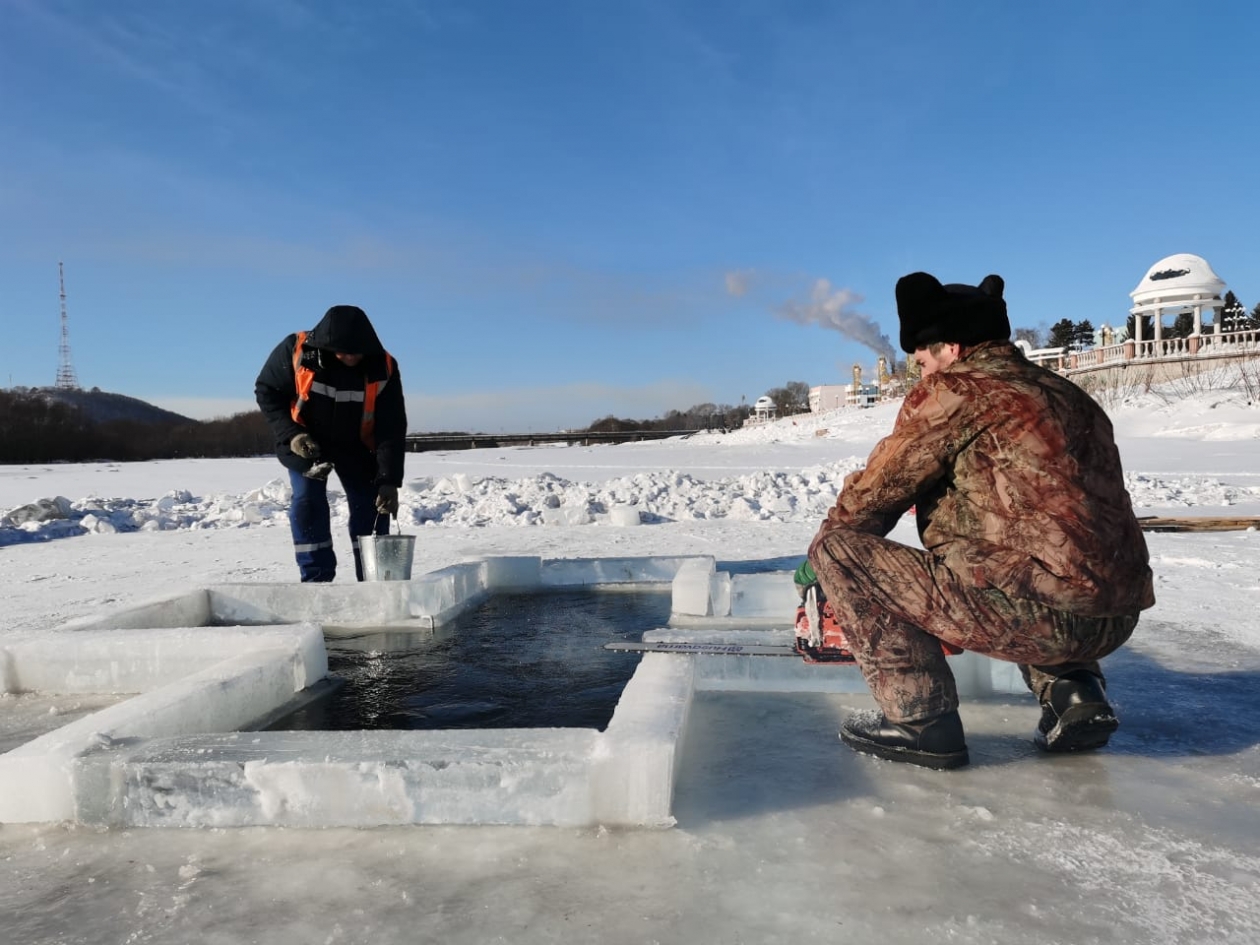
[(244, 674), (563, 777), (700, 591), (175, 754), (976, 676), (121, 765)]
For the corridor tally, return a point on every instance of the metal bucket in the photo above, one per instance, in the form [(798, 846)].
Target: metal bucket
[(387, 557)]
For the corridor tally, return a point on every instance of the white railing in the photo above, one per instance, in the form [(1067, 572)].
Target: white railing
[(1093, 357), (1052, 358), (1211, 345), (1232, 340), (1226, 342), (1164, 348)]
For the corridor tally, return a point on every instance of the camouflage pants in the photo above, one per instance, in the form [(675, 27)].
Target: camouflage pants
[(896, 604)]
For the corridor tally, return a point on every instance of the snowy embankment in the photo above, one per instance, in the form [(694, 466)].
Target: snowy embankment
[(777, 493)]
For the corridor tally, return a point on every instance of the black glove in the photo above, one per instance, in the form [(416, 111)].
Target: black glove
[(304, 445), (387, 500)]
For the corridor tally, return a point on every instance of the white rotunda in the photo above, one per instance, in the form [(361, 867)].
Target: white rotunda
[(1179, 283)]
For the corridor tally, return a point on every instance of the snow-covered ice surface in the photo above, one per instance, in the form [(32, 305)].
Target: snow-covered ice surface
[(782, 834)]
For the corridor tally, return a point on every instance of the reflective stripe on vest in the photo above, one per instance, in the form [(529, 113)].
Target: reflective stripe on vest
[(306, 385)]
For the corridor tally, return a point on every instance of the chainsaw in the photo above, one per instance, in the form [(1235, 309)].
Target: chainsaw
[(819, 636)]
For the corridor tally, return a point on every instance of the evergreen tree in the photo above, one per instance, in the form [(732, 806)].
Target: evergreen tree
[(1082, 335), (1182, 327), (1062, 334), (1233, 316), (1236, 318)]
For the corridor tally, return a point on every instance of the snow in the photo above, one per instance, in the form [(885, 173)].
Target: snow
[(782, 834)]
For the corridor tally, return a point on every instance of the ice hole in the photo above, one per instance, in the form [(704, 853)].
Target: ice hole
[(525, 660), (204, 740)]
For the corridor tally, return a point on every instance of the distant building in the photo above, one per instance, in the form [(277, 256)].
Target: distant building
[(862, 395), (764, 409), (1182, 283), (857, 394), (827, 397)]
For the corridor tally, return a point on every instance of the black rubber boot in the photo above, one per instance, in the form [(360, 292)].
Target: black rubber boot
[(1075, 715), (932, 743)]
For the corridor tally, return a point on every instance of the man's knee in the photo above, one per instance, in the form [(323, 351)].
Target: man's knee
[(838, 548), (853, 558)]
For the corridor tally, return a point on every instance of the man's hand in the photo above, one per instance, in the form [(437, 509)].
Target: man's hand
[(319, 471), (304, 445), (805, 578), (387, 500)]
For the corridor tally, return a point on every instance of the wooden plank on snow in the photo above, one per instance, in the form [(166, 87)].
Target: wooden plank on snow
[(1155, 523)]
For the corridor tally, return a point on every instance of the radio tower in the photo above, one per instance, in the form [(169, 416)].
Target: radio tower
[(66, 379)]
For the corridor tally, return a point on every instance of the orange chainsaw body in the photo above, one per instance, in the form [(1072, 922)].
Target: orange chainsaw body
[(828, 644)]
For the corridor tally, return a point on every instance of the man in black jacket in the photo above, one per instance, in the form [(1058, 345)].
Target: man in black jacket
[(333, 396)]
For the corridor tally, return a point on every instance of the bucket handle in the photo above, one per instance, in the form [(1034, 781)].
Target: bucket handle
[(377, 520)]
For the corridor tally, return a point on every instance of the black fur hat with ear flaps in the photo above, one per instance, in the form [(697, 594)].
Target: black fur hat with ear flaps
[(963, 314)]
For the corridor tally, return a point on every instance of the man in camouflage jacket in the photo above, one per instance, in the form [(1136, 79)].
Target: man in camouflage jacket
[(1031, 551)]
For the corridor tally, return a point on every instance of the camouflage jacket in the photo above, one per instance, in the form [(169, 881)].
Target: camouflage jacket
[(1017, 484)]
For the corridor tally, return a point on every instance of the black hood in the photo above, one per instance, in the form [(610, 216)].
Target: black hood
[(346, 329)]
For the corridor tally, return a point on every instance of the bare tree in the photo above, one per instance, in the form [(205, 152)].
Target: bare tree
[(792, 397)]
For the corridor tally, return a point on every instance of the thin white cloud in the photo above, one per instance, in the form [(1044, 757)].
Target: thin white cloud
[(547, 409), (738, 282), (136, 47), (461, 264)]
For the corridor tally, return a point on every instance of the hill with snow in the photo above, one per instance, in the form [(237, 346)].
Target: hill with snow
[(100, 406)]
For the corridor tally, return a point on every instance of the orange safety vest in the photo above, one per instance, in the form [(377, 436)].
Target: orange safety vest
[(305, 381)]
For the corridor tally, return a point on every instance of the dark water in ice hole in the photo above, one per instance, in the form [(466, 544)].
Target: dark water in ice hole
[(516, 661)]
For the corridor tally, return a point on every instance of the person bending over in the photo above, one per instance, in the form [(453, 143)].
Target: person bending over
[(333, 397)]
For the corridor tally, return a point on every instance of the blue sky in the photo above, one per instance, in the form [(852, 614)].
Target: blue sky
[(553, 211)]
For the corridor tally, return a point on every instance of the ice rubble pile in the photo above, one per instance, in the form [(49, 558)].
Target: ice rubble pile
[(60, 517), (461, 500), (1152, 491)]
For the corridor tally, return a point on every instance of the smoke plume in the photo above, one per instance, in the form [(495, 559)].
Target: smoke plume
[(837, 309)]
